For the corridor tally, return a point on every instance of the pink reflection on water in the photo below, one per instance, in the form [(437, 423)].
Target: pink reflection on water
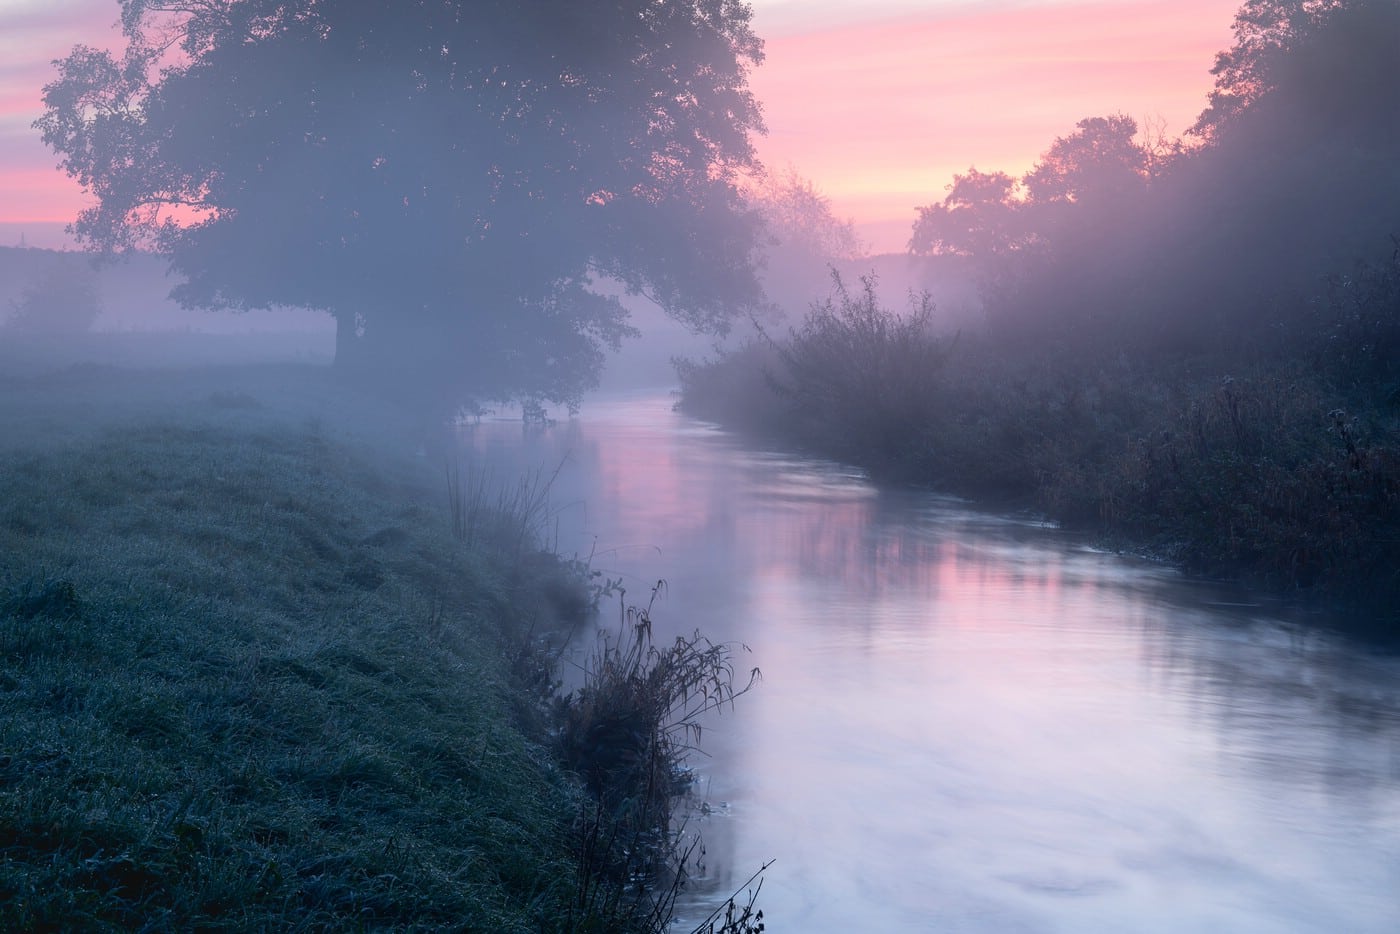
[(972, 723)]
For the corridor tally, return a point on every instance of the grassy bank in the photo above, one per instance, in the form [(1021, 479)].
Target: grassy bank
[(1281, 469), (250, 679)]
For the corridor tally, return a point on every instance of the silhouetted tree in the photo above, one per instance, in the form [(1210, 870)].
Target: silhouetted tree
[(1299, 173), (979, 217), (62, 300), (798, 215), (445, 177), (802, 238), (1266, 31), (1309, 71), (1067, 211), (1101, 161)]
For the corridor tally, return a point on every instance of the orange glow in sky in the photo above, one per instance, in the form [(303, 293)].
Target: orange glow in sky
[(879, 102)]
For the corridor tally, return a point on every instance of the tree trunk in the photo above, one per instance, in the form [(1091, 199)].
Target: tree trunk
[(349, 345)]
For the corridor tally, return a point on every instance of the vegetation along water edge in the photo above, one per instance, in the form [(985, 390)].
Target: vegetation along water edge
[(1189, 345), (1284, 473), (259, 671)]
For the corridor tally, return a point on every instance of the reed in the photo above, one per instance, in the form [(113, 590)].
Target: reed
[(627, 732)]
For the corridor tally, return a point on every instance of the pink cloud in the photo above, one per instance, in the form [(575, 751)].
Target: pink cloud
[(883, 114), (879, 114), (32, 34)]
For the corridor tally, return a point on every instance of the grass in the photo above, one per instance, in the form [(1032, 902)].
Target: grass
[(260, 670), (249, 679)]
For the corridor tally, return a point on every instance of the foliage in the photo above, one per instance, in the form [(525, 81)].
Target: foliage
[(1266, 31), (735, 386), (992, 215), (733, 918), (858, 364), (1297, 177), (62, 301), (978, 217), (1122, 241), (1099, 161), (1285, 472), (1296, 494), (447, 179), (796, 214), (801, 238), (626, 731), (514, 517), (851, 362), (1358, 326)]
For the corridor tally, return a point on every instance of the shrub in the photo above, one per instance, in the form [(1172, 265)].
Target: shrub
[(736, 388), (626, 733), (63, 301)]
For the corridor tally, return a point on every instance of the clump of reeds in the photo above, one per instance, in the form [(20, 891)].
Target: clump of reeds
[(516, 516), (626, 732)]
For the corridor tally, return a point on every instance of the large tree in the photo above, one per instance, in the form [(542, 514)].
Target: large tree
[(1298, 174), (980, 217), (1101, 161), (802, 239), (445, 177), (1267, 32)]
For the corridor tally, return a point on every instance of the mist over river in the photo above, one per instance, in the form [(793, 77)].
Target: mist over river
[(969, 723)]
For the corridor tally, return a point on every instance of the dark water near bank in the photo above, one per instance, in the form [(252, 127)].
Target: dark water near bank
[(971, 723)]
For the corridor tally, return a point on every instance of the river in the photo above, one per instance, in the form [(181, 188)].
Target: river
[(975, 723)]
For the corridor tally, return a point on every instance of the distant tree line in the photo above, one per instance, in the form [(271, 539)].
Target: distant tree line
[(1120, 237), (1190, 346), (55, 294)]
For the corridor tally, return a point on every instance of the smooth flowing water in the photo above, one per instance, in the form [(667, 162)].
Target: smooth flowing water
[(973, 723)]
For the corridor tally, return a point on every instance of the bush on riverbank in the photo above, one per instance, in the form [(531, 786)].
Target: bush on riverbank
[(626, 732), (850, 363), (250, 678), (1282, 468)]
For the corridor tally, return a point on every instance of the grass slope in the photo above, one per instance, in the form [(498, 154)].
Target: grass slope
[(248, 677)]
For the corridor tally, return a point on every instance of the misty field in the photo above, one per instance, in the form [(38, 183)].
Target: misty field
[(251, 679)]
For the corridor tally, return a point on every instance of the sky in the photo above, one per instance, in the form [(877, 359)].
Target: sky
[(878, 102)]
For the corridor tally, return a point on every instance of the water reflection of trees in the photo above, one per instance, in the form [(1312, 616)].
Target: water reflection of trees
[(1288, 709), (1292, 706)]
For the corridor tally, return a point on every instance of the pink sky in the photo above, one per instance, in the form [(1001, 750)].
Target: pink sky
[(878, 102), (882, 111)]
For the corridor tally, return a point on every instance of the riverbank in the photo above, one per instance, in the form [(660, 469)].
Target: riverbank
[(251, 678), (1280, 472)]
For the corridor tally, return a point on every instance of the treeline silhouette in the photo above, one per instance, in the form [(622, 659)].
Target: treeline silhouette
[(1188, 344)]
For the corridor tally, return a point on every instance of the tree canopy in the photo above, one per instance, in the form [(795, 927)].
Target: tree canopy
[(978, 217), (1266, 31), (447, 178), (1101, 160), (1119, 237), (798, 215), (800, 240)]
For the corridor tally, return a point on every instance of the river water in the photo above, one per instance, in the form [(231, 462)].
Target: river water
[(973, 723)]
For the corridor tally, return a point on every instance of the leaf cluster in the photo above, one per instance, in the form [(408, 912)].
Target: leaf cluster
[(447, 179)]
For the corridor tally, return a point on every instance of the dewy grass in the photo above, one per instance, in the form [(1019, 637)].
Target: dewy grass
[(250, 680), (514, 516)]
